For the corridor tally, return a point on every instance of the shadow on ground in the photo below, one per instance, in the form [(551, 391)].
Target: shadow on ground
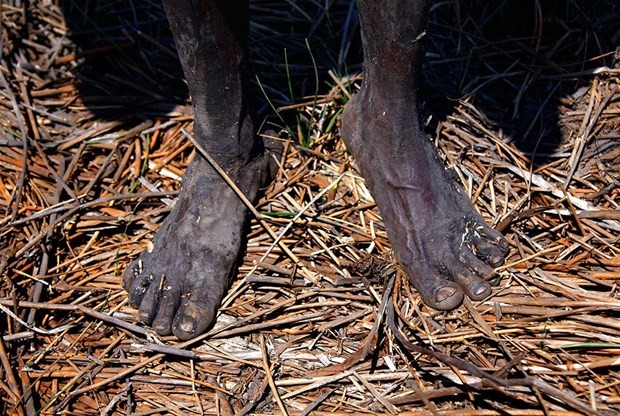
[(127, 65), (516, 60)]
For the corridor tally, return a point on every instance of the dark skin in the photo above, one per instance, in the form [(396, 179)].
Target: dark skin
[(442, 243)]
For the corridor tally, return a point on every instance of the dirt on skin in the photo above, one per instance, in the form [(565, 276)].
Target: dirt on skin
[(102, 108)]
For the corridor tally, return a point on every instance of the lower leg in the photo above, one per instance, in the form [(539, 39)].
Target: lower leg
[(178, 286), (211, 39), (439, 239)]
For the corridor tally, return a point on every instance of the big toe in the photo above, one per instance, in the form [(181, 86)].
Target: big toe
[(437, 291), (193, 318), (446, 297)]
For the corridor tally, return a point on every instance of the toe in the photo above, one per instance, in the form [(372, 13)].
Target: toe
[(131, 273), (502, 244), (473, 286), (446, 296), (481, 268), (149, 304), (138, 288), (437, 291), (489, 252), (168, 304), (194, 317), (495, 238)]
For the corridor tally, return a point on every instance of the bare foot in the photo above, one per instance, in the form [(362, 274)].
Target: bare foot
[(179, 286), (444, 246)]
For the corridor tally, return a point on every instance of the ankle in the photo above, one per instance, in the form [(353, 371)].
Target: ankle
[(231, 148)]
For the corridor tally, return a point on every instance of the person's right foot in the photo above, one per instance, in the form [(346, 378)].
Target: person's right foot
[(179, 286)]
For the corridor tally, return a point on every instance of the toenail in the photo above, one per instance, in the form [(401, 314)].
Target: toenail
[(480, 290), (187, 324), (444, 293)]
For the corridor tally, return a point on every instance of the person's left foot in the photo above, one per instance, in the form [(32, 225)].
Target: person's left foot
[(442, 243)]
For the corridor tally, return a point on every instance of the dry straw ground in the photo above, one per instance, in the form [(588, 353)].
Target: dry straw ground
[(524, 105)]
